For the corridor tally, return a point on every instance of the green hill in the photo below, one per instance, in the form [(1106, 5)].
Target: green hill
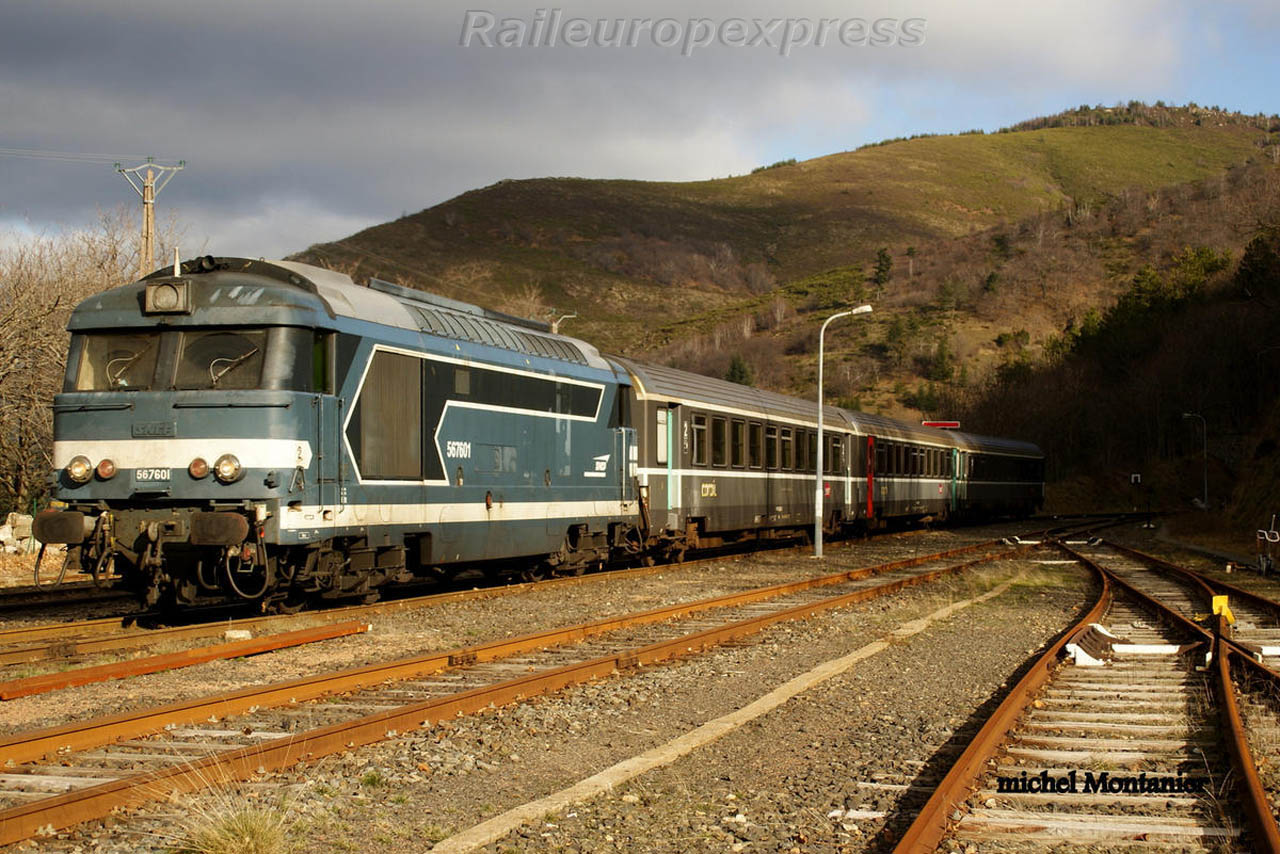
[(628, 254)]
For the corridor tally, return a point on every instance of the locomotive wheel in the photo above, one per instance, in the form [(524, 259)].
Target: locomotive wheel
[(287, 606)]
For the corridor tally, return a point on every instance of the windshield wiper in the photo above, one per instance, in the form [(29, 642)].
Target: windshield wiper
[(234, 363), (115, 378)]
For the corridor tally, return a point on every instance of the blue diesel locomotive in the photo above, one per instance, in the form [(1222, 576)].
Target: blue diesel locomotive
[(271, 432)]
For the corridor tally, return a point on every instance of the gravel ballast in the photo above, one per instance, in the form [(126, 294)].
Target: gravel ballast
[(814, 774)]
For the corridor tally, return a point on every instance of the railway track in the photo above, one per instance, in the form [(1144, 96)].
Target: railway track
[(25, 598), (65, 775), (69, 640), (1097, 750)]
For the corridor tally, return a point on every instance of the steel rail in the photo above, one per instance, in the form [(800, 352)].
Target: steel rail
[(46, 682), (25, 820), (1257, 806), (934, 820), (75, 593), (1253, 797), (31, 746), (63, 640), (1213, 585), (77, 630)]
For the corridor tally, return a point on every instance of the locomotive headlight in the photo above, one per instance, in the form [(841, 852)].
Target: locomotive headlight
[(80, 469), (227, 468), (198, 468), (106, 469)]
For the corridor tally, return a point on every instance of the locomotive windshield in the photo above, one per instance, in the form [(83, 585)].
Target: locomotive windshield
[(118, 361), (278, 357), (221, 358)]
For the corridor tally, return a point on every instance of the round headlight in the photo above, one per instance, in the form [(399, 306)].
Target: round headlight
[(227, 468), (198, 468), (165, 297), (106, 469), (80, 469)]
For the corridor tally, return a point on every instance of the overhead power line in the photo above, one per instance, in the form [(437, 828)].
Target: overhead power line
[(74, 156)]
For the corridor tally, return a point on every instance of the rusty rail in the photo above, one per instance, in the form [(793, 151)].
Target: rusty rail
[(47, 682), (25, 820), (63, 640), (73, 593), (932, 823), (1253, 797), (1206, 582), (1257, 808), (30, 746)]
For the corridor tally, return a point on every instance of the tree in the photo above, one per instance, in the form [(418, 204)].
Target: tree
[(884, 266), (41, 280), (739, 372), (941, 365), (1258, 276)]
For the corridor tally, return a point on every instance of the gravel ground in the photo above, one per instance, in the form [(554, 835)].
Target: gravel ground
[(409, 633), (783, 782)]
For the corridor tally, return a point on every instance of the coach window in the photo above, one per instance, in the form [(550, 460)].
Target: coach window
[(802, 451), (755, 444), (719, 441), (699, 440), (660, 433), (835, 461), (738, 444), (771, 448), (787, 458), (812, 442)]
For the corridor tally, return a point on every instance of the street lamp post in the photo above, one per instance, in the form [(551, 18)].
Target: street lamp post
[(817, 477), (1204, 431)]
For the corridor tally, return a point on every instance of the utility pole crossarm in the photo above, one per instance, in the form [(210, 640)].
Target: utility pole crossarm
[(148, 190)]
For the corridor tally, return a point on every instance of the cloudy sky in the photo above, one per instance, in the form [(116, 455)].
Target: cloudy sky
[(305, 121)]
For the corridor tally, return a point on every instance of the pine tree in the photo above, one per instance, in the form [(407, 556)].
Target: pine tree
[(884, 266), (739, 372)]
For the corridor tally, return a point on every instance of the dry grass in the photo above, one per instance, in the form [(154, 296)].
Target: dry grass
[(229, 821)]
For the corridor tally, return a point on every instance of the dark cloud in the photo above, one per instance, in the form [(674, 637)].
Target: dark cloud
[(304, 121)]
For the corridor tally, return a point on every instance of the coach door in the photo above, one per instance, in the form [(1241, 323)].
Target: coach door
[(871, 476), (328, 485), (626, 453)]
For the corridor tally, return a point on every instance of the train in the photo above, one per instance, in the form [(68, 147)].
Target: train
[(272, 433)]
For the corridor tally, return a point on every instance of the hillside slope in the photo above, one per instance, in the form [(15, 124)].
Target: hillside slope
[(622, 252), (987, 246)]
